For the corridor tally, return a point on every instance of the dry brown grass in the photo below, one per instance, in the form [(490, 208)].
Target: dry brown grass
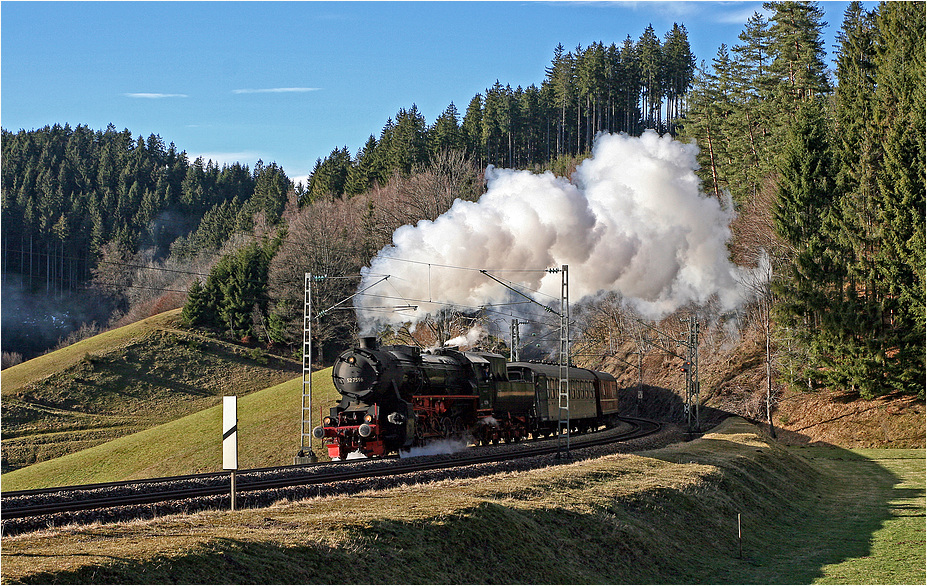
[(665, 516)]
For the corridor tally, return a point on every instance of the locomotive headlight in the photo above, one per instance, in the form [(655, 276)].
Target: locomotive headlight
[(318, 433), (368, 418), (351, 360), (327, 422), (364, 430)]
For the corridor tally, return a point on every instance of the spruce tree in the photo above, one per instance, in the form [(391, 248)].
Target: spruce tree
[(899, 113), (271, 187), (857, 238), (651, 62), (198, 311), (472, 129), (626, 87), (445, 133), (560, 76), (680, 71), (361, 173), (408, 145), (803, 214)]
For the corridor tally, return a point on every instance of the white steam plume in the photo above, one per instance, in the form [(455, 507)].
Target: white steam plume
[(474, 335), (632, 220)]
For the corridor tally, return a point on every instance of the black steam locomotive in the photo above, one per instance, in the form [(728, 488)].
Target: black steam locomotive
[(396, 397)]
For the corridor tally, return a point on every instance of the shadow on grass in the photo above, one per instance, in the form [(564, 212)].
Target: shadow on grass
[(805, 509), (802, 509), (658, 536), (490, 543), (812, 506)]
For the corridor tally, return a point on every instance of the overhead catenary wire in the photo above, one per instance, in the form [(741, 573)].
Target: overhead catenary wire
[(494, 308), (475, 308)]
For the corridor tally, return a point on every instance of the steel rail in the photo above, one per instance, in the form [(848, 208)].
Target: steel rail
[(325, 474)]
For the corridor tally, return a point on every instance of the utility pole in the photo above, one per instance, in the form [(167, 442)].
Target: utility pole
[(563, 387), (305, 454), (640, 372), (563, 394), (690, 367), (516, 338)]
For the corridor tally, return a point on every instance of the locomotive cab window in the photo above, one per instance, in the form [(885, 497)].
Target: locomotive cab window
[(484, 372)]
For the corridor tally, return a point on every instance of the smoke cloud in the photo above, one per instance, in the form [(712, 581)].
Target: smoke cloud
[(473, 335), (632, 220), (436, 448)]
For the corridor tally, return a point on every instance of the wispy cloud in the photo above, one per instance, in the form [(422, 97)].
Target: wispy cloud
[(665, 9), (153, 96), (735, 12), (277, 90), (740, 15)]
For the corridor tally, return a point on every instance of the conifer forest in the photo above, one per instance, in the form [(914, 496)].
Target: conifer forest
[(822, 160)]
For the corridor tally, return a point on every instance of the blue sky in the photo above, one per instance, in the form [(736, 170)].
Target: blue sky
[(289, 81)]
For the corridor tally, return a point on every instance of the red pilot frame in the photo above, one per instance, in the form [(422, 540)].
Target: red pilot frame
[(352, 431)]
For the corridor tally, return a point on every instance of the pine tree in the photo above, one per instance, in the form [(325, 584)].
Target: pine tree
[(710, 106), (651, 59), (754, 111), (795, 37)]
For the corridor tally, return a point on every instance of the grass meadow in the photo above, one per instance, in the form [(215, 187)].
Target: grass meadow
[(268, 435), (121, 382), (668, 516)]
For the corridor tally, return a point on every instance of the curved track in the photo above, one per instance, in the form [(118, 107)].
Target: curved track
[(29, 503)]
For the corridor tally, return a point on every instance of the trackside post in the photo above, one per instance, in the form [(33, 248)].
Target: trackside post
[(230, 438)]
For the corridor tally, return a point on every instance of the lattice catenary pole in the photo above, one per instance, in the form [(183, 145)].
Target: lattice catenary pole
[(564, 383), (305, 453)]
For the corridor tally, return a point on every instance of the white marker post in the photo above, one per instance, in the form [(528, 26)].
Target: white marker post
[(230, 438)]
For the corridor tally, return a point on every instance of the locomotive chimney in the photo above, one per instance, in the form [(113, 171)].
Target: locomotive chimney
[(368, 342)]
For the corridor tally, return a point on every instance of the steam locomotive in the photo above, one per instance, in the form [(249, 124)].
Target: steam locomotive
[(397, 397)]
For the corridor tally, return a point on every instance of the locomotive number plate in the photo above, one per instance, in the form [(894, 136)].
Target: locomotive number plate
[(353, 379)]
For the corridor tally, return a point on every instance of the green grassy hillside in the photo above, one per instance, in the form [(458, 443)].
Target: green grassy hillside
[(121, 382), (268, 435), (669, 516)]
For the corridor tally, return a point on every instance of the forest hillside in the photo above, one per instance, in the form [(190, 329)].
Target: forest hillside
[(823, 169)]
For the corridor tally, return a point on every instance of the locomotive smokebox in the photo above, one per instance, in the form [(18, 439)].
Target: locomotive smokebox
[(368, 342)]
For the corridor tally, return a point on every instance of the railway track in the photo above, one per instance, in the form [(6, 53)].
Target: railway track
[(43, 502)]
